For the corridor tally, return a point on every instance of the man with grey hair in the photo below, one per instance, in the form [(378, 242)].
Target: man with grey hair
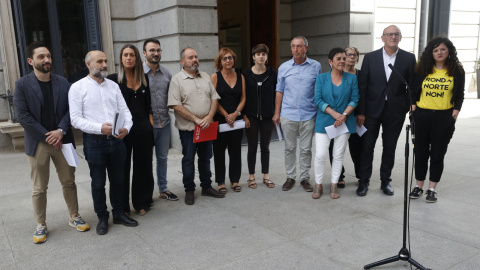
[(295, 110), (94, 102), (194, 99)]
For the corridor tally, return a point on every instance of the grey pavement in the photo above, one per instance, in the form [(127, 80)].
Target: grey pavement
[(258, 229)]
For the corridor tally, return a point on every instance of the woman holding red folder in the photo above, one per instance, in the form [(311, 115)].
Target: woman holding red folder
[(231, 88)]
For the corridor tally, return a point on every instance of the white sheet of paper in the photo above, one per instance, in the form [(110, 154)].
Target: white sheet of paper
[(70, 154), (361, 130), (239, 124), (279, 133), (333, 132), (119, 123)]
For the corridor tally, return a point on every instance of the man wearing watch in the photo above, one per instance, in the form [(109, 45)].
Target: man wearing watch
[(41, 102)]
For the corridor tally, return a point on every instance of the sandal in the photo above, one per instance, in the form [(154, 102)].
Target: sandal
[(341, 183), (141, 212), (223, 189), (268, 183), (334, 192), (252, 184), (236, 188), (317, 191)]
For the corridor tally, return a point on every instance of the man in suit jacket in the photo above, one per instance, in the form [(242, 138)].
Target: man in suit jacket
[(383, 101), (41, 101)]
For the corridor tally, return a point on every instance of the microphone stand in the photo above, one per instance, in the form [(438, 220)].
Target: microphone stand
[(404, 253)]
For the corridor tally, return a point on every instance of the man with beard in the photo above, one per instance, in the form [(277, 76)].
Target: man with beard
[(94, 102), (41, 101), (159, 77), (194, 99)]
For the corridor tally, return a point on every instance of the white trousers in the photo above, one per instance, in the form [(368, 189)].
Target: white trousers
[(322, 142)]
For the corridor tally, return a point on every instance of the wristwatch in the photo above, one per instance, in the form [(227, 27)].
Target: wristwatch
[(345, 113), (239, 113), (61, 131)]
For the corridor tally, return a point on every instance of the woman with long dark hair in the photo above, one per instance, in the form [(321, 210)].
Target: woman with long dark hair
[(260, 82), (134, 86), (437, 98)]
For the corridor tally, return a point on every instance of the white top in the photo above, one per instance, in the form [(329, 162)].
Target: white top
[(93, 104), (387, 59)]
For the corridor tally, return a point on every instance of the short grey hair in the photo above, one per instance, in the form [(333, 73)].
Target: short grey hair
[(305, 41), (88, 58), (182, 53)]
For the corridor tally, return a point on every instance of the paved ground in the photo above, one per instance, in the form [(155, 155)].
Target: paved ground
[(258, 229)]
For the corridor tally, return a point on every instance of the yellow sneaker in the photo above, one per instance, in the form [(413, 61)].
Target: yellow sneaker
[(40, 235), (78, 223)]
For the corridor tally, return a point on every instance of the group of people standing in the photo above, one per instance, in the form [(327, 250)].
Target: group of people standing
[(300, 97)]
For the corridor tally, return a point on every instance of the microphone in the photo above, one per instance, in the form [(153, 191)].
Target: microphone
[(412, 122)]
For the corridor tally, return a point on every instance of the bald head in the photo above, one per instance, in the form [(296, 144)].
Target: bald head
[(96, 62)]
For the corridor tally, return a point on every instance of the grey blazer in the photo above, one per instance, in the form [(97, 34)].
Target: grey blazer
[(28, 101)]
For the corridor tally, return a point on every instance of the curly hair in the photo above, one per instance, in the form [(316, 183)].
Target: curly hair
[(223, 51), (426, 62)]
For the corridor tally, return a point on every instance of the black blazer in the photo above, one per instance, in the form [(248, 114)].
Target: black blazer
[(28, 101), (373, 84)]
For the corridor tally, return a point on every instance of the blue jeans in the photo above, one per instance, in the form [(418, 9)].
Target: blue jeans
[(162, 144), (105, 156), (204, 152)]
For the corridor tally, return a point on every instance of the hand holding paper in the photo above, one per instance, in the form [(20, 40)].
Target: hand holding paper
[(333, 132)]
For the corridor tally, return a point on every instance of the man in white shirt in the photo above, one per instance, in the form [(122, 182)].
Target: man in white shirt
[(94, 101)]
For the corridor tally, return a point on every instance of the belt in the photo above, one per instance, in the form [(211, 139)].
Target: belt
[(98, 136)]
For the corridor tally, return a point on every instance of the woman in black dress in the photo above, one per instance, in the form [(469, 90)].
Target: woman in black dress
[(134, 86), (230, 86), (260, 81)]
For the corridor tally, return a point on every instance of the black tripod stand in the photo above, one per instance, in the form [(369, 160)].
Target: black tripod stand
[(404, 254)]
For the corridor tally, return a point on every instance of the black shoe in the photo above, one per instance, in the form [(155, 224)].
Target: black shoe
[(102, 226), (431, 196), (125, 220), (190, 197), (416, 193), (212, 193), (362, 188), (387, 189)]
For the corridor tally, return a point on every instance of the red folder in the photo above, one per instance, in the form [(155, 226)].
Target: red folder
[(208, 134)]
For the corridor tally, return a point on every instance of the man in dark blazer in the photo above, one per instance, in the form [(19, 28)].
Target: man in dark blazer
[(383, 102), (41, 102)]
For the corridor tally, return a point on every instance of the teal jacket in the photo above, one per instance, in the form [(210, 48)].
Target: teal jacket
[(324, 98)]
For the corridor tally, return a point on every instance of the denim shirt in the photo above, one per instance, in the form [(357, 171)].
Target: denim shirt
[(297, 83), (159, 83)]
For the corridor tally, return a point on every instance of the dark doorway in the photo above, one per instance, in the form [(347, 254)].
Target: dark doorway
[(245, 23), (69, 28)]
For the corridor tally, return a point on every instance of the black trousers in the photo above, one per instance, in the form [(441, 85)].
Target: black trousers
[(355, 147), (233, 141), (391, 129), (265, 127), (140, 142), (433, 131)]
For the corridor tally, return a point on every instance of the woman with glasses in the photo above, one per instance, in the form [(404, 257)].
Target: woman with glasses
[(134, 86), (230, 85), (336, 96), (260, 81), (437, 97)]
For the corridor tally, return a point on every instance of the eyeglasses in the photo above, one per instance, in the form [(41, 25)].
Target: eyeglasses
[(351, 54), (392, 34), (227, 58), (153, 51)]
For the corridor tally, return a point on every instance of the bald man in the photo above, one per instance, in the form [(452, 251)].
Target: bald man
[(94, 102), (383, 102)]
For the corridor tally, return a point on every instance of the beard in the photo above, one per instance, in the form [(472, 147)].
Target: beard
[(154, 59), (100, 73), (193, 68), (43, 67)]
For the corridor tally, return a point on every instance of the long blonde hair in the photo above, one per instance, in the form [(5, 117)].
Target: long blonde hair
[(138, 74)]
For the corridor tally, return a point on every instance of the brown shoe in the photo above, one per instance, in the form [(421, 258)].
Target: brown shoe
[(212, 193), (190, 198), (334, 192), (317, 192), (306, 186), (288, 184)]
